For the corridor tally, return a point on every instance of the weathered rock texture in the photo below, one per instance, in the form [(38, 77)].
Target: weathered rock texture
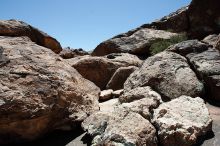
[(68, 53), (39, 92), (204, 18), (119, 77), (120, 127), (106, 94), (167, 73), (205, 60), (199, 19), (99, 70), (19, 28), (141, 100), (125, 122), (177, 21), (182, 121), (213, 40), (137, 43)]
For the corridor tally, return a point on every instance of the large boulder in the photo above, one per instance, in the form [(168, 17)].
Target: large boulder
[(141, 100), (189, 46), (167, 73), (39, 91), (19, 28), (205, 61), (213, 40), (182, 121), (176, 22), (119, 77), (99, 70), (207, 66), (204, 18), (125, 122), (120, 127), (68, 53), (137, 43)]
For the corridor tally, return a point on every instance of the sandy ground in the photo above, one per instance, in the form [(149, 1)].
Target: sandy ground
[(214, 139)]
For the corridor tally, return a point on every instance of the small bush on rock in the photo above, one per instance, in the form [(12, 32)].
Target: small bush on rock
[(162, 44)]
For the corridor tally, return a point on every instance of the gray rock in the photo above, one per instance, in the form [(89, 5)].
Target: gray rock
[(181, 121), (189, 46), (120, 127), (138, 42), (119, 77), (207, 66), (168, 74), (138, 93)]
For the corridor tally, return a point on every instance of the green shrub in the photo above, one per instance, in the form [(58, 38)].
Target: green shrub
[(162, 44)]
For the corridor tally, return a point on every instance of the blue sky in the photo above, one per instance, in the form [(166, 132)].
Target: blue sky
[(86, 23)]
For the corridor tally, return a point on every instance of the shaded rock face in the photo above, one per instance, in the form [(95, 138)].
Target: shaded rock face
[(182, 121), (119, 77), (68, 53), (137, 43), (120, 127), (207, 65), (19, 28), (188, 46), (204, 17), (99, 70), (177, 21), (167, 73), (39, 91), (205, 60)]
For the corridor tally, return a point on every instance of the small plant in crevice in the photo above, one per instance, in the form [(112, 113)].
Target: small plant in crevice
[(163, 44)]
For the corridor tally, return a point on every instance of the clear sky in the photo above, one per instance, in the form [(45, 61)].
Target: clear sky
[(86, 23)]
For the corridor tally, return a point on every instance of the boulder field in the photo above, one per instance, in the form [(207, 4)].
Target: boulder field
[(156, 85)]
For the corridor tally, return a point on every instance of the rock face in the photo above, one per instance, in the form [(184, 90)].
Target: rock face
[(120, 127), (137, 43), (205, 60), (19, 28), (182, 121), (177, 21), (189, 46), (213, 40), (119, 77), (99, 70), (68, 53), (39, 91), (204, 18), (207, 65), (167, 73)]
